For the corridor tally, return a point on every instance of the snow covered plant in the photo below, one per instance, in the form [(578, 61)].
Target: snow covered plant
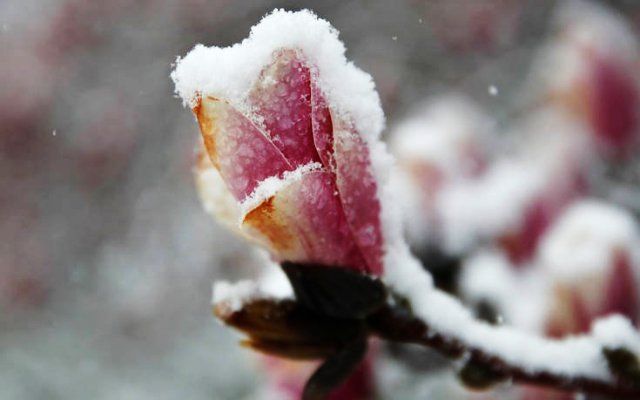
[(292, 161)]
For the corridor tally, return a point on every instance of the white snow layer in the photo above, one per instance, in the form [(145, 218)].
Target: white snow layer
[(449, 134), (230, 72), (495, 203), (585, 238), (234, 295), (485, 207), (570, 357), (270, 186), (273, 284), (615, 331), (488, 275)]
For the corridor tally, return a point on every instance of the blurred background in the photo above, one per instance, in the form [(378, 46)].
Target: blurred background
[(519, 109)]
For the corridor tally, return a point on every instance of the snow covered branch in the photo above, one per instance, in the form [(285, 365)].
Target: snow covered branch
[(481, 368), (312, 327)]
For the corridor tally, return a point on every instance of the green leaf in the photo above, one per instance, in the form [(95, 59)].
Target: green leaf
[(335, 291)]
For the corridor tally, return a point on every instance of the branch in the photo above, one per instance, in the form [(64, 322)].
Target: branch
[(329, 316), (397, 324)]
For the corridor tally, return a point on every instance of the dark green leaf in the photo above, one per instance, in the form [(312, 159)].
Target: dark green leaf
[(478, 375), (623, 364), (335, 370), (334, 291)]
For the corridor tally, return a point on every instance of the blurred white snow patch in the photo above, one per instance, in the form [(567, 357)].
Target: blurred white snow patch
[(591, 26), (418, 226), (554, 150), (396, 380), (487, 206), (229, 72), (617, 331), (519, 294), (487, 275), (584, 29), (448, 139), (444, 133), (575, 356), (585, 238), (553, 141)]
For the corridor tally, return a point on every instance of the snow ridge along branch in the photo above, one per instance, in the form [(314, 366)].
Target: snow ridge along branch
[(313, 327)]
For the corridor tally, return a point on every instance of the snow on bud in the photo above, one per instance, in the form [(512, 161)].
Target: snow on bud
[(285, 122), (591, 257)]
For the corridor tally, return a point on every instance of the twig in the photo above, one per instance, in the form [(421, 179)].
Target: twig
[(335, 308), (399, 325)]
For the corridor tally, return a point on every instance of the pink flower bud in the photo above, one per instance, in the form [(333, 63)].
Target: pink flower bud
[(522, 243), (296, 164), (614, 104), (591, 257)]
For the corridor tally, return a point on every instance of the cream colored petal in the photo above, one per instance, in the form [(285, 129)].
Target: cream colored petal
[(216, 199)]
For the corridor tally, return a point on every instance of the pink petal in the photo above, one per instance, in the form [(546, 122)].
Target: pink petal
[(358, 193), (621, 292), (282, 98), (243, 155), (521, 245), (581, 316), (614, 103), (322, 127), (304, 222)]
